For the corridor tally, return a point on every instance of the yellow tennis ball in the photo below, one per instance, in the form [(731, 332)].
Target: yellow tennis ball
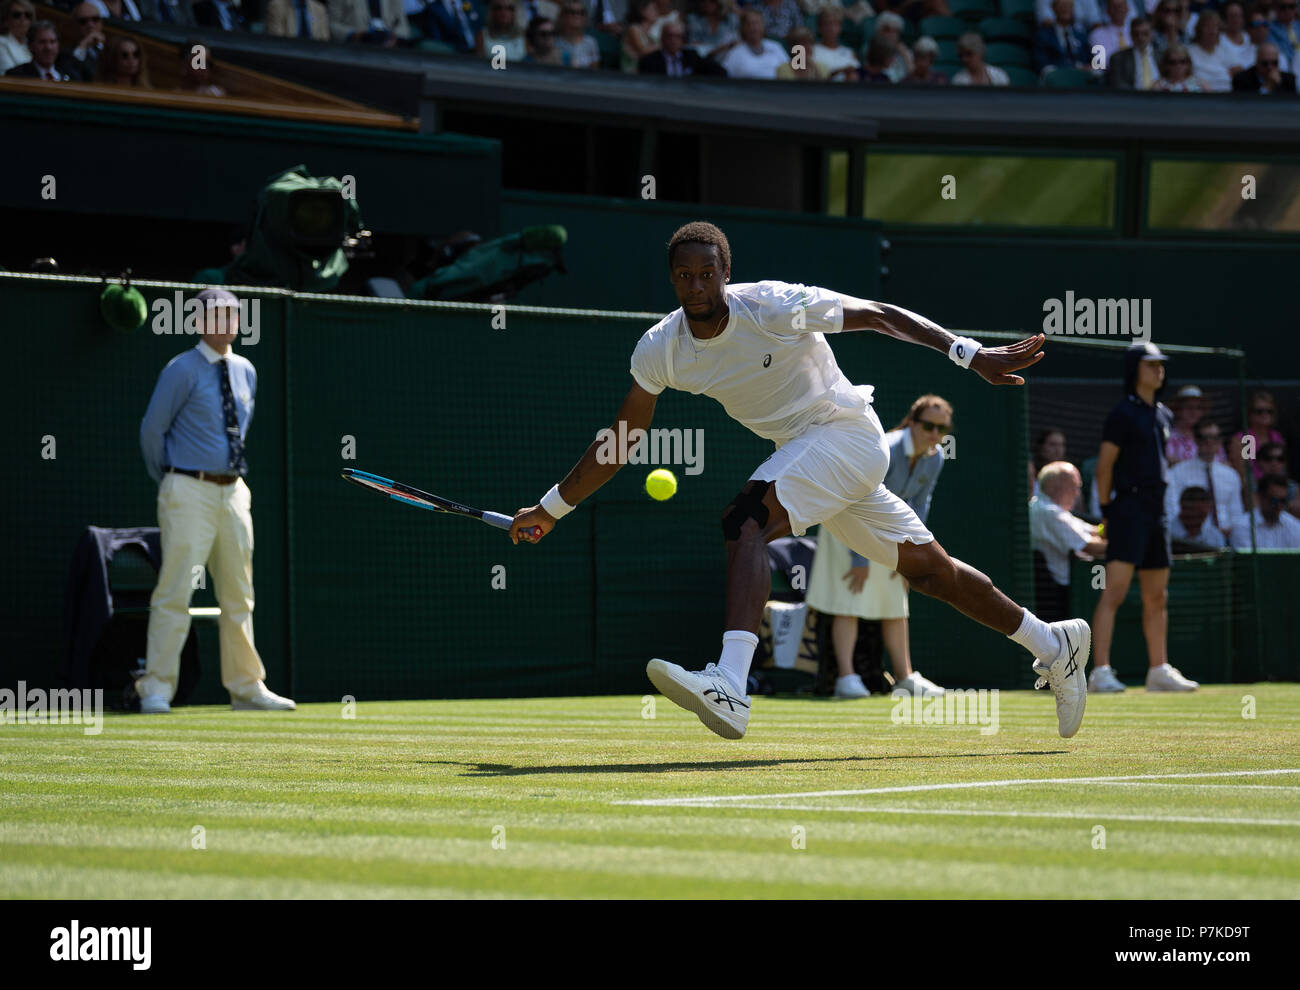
[(661, 484)]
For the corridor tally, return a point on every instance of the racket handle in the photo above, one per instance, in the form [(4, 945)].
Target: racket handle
[(498, 520)]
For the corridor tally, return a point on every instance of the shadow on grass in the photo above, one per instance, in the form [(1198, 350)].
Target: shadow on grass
[(506, 770)]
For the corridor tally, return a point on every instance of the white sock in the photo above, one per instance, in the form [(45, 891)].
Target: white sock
[(737, 654), (1037, 637)]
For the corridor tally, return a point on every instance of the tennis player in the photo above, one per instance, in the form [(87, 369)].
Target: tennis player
[(760, 350)]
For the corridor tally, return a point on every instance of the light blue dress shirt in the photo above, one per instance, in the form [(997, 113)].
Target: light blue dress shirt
[(184, 426)]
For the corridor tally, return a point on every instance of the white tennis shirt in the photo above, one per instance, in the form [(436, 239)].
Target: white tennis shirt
[(770, 368)]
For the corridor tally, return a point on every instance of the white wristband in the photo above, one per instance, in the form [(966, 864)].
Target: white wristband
[(553, 502), (963, 351)]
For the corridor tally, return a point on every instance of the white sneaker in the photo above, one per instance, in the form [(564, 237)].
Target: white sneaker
[(1168, 678), (851, 686), (1065, 673), (262, 701), (915, 684), (1102, 680), (154, 704), (708, 693)]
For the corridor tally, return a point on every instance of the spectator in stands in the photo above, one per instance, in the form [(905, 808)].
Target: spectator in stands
[(837, 61), (540, 41), (1261, 415), (1056, 534), (1113, 36), (1208, 62), (298, 19), (1234, 39), (637, 44), (123, 63), (879, 54), (674, 59), (780, 17), (19, 15), (90, 38), (1190, 530), (1175, 72), (1062, 45), (216, 14), (847, 586), (43, 42), (1087, 13), (889, 28), (1284, 32), (1131, 475), (1049, 446), (1206, 472), (859, 11), (121, 10), (924, 54), (970, 49), (1165, 27), (196, 79), (713, 29), (453, 22), (607, 16), (756, 57), (1258, 24), (1272, 459), (665, 13), (1274, 529), (1189, 408), (574, 43), (502, 29), (176, 12), (800, 66), (1135, 68), (1266, 75), (380, 22)]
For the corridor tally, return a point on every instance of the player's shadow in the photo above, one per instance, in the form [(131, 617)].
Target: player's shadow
[(506, 770)]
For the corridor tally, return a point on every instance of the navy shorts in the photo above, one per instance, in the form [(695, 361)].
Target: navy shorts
[(1137, 533)]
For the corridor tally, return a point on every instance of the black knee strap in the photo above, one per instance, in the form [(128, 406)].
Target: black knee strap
[(745, 506)]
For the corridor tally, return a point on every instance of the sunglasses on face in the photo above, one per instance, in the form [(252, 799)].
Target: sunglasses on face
[(1261, 410), (1267, 62), (925, 424), (15, 15), (1178, 61), (1210, 437), (1272, 459), (93, 19)]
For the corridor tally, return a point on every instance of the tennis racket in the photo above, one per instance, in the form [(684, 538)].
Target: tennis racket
[(423, 500)]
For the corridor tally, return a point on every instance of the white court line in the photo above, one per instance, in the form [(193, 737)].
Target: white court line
[(720, 798), (1101, 816)]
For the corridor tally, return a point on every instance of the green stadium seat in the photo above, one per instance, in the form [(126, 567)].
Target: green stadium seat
[(611, 50), (854, 36), (1002, 54), (972, 10), (949, 69), (947, 51), (939, 28), (1021, 10), (1020, 76), (436, 47), (1068, 79), (1005, 29)]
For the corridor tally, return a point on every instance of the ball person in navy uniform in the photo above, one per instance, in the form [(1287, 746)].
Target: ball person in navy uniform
[(1132, 473), (192, 437)]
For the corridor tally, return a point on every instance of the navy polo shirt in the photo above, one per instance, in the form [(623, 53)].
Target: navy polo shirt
[(1140, 431)]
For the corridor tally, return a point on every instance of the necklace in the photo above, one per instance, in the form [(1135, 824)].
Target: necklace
[(695, 341)]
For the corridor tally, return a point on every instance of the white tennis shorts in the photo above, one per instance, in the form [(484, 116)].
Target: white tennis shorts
[(833, 474)]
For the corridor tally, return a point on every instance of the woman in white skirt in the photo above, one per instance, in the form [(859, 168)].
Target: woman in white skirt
[(845, 585)]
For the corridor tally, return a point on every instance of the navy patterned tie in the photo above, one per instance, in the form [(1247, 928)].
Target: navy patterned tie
[(237, 463)]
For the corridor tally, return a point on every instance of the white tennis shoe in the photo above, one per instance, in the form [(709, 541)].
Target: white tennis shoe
[(1065, 673), (915, 684), (262, 700), (851, 686), (708, 693), (1167, 677), (1102, 680)]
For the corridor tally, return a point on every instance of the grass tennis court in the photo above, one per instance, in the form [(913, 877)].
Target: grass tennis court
[(407, 799)]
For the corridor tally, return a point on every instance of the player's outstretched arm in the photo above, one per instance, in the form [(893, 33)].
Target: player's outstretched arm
[(591, 472), (993, 364)]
